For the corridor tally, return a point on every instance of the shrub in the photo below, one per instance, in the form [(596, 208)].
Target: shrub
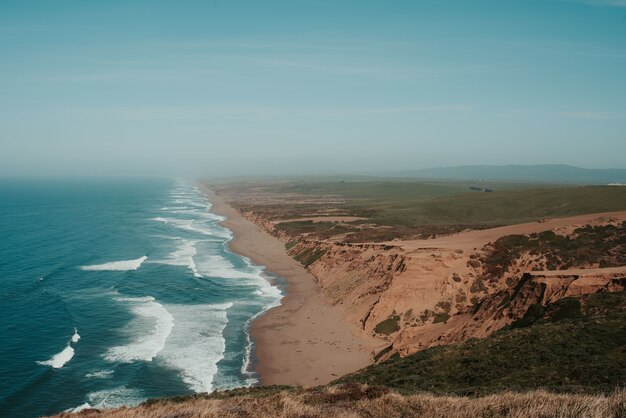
[(388, 326)]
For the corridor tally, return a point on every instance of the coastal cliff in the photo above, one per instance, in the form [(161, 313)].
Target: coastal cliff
[(414, 298)]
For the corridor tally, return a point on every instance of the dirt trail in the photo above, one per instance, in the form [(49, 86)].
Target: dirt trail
[(581, 272)]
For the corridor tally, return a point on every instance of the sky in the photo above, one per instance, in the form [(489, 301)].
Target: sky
[(231, 87)]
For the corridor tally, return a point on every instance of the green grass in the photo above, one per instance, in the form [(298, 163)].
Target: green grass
[(498, 208), (448, 214), (576, 344), (402, 208), (309, 256), (321, 229), (382, 190), (388, 326)]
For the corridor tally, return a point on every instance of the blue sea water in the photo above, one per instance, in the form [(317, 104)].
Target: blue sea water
[(116, 291)]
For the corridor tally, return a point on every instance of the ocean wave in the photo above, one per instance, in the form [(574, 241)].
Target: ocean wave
[(116, 397), (123, 265), (183, 256), (60, 359), (172, 208), (189, 202), (219, 266), (276, 296), (197, 343), (75, 336), (194, 225), (99, 374), (194, 212), (78, 408), (146, 346)]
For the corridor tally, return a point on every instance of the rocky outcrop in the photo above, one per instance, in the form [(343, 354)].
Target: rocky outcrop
[(502, 308)]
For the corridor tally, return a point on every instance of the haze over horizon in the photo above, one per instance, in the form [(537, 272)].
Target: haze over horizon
[(288, 87)]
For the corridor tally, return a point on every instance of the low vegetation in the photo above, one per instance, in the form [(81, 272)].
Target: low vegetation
[(575, 345), (604, 246), (388, 326), (308, 256)]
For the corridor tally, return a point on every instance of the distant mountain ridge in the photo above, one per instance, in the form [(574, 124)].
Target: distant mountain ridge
[(548, 173)]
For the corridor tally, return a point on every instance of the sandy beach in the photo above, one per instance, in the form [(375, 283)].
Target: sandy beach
[(305, 341)]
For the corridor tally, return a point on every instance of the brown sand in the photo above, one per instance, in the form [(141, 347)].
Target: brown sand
[(305, 341)]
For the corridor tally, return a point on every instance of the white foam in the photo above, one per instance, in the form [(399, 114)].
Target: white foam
[(218, 266), (272, 292), (269, 291), (116, 397), (99, 374), (153, 323), (78, 408), (197, 226), (60, 359), (189, 202), (183, 256), (196, 344), (194, 212), (123, 265)]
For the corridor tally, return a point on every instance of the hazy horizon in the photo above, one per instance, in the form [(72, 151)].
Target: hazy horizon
[(309, 87)]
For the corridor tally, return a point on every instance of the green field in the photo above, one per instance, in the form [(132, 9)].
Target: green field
[(411, 208)]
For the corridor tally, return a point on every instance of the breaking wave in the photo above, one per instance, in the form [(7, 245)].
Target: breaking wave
[(183, 256), (197, 343), (60, 359), (146, 346), (123, 265)]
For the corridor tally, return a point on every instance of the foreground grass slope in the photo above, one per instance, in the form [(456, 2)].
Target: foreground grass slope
[(577, 344), (352, 401)]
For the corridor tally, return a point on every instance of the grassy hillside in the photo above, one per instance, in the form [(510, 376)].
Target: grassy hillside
[(548, 173), (575, 345), (497, 208), (515, 206), (355, 401)]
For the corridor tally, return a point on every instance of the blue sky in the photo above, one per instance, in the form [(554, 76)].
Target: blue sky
[(274, 87)]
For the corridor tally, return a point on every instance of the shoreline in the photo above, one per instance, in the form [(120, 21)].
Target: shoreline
[(305, 340)]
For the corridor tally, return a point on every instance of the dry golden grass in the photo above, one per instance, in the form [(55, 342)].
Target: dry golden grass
[(352, 401)]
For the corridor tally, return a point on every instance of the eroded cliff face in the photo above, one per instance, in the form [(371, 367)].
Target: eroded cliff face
[(414, 299)]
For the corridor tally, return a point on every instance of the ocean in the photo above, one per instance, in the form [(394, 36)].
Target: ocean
[(116, 291)]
